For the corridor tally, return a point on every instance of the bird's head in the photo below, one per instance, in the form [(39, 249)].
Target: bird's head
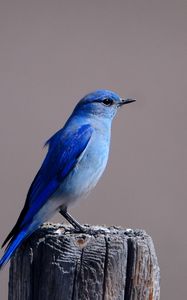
[(104, 103)]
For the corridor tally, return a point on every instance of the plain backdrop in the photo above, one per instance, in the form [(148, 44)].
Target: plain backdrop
[(54, 52)]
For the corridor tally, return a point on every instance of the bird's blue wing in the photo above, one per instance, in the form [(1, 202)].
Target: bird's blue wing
[(63, 154), (64, 151), (62, 157)]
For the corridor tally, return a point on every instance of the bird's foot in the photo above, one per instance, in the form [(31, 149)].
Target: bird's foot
[(87, 230), (81, 229)]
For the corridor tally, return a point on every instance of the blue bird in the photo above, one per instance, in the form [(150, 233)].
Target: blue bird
[(76, 158)]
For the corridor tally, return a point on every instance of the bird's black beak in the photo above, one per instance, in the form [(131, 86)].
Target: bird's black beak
[(126, 101)]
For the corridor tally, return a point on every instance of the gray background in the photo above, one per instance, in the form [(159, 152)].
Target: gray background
[(54, 52)]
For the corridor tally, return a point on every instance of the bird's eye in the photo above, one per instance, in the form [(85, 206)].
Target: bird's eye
[(108, 102)]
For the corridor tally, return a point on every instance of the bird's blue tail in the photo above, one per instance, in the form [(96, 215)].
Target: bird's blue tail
[(13, 246)]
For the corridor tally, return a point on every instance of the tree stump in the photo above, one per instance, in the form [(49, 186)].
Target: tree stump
[(56, 263)]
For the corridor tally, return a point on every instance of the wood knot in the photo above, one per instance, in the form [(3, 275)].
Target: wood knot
[(82, 241)]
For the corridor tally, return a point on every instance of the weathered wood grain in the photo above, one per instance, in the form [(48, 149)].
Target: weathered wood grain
[(103, 264)]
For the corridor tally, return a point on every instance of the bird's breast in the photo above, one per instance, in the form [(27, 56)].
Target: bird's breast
[(85, 175)]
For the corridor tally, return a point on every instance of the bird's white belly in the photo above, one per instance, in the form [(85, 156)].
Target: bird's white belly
[(81, 180)]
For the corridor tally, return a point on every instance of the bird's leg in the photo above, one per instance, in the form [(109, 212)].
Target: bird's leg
[(71, 220)]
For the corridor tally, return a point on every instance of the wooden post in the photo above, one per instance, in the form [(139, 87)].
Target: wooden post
[(57, 263)]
